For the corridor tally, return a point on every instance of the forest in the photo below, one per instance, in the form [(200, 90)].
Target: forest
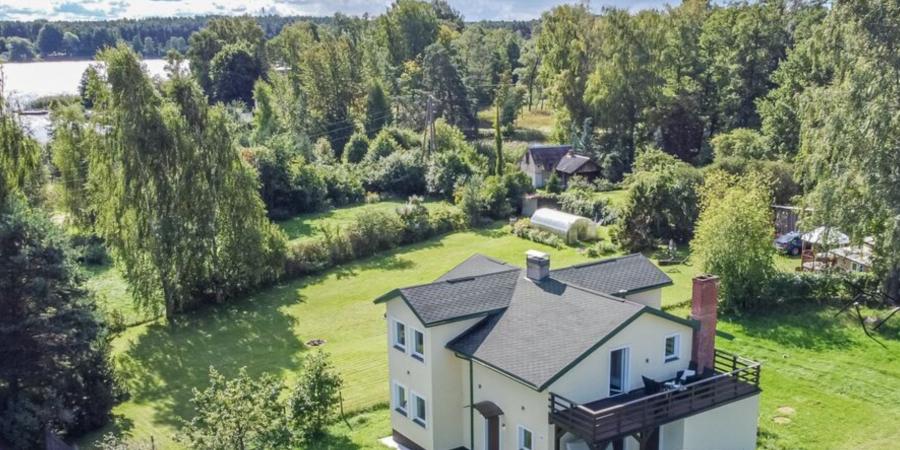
[(703, 114)]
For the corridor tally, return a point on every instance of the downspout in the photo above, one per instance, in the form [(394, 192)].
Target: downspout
[(471, 408)]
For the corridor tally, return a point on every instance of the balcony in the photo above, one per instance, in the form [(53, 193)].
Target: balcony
[(636, 413)]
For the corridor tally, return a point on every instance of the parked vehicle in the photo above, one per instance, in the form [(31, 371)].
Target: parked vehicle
[(789, 243)]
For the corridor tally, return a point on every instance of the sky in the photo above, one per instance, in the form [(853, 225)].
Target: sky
[(115, 9)]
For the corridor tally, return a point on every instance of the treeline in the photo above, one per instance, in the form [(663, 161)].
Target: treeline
[(152, 37)]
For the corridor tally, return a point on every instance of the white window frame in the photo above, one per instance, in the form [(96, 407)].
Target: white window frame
[(395, 336), (395, 398), (423, 421), (415, 353), (625, 371), (677, 351), (520, 438)]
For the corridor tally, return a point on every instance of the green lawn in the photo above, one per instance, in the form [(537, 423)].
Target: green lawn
[(844, 387)]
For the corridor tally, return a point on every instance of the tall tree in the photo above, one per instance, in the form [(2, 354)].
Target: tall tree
[(407, 28), (56, 374), (378, 110), (566, 45), (177, 206), (850, 132), (623, 88), (442, 78), (232, 74), (70, 148), (205, 44), (741, 46), (49, 39), (19, 154)]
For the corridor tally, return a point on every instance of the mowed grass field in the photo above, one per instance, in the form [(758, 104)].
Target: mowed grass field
[(843, 387)]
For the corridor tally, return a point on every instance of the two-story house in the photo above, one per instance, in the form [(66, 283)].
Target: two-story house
[(491, 356)]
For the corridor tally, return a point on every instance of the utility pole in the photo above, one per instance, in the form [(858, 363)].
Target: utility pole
[(430, 146)]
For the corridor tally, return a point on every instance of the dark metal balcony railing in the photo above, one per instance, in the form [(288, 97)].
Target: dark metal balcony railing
[(616, 417)]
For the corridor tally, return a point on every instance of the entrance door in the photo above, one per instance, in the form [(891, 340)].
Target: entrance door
[(492, 433), (618, 371)]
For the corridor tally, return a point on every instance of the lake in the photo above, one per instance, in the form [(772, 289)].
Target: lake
[(26, 81)]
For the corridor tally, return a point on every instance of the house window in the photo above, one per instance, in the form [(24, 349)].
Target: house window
[(525, 438), (418, 410), (673, 344), (399, 336), (418, 345), (400, 398)]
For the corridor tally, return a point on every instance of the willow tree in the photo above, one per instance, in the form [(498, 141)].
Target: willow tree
[(850, 133), (19, 154), (174, 201)]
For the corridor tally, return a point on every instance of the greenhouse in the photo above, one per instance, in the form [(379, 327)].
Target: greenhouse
[(570, 227)]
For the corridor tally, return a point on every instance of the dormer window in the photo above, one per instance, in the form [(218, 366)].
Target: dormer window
[(399, 335)]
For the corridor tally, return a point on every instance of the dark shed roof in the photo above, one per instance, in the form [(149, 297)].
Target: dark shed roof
[(571, 163), (548, 156)]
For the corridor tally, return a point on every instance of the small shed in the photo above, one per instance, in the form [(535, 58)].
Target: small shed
[(570, 227)]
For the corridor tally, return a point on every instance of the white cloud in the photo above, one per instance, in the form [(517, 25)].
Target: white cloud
[(112, 9)]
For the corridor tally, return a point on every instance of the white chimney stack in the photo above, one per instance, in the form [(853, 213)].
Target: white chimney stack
[(537, 265)]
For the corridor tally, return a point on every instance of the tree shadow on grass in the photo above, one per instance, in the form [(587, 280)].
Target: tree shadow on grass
[(333, 442), (807, 327), (163, 364)]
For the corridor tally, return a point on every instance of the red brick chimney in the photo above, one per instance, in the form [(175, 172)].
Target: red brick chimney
[(704, 302)]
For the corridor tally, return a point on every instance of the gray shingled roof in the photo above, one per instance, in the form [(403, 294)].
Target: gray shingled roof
[(571, 163), (547, 326), (548, 156), (458, 298), (475, 265), (621, 275), (534, 331)]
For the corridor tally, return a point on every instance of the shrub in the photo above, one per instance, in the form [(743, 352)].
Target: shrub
[(446, 218), (356, 148), (554, 185), (374, 232), (382, 146), (469, 199), (400, 173), (445, 171), (344, 186), (414, 218), (314, 399), (601, 249), (817, 288), (308, 189), (323, 153), (373, 197), (734, 238), (661, 204), (307, 256), (778, 175), (241, 412), (742, 142), (404, 137), (89, 248), (585, 203), (523, 229)]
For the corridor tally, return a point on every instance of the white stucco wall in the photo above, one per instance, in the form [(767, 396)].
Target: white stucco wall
[(436, 379), (729, 427), (651, 298), (645, 339), (521, 405)]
